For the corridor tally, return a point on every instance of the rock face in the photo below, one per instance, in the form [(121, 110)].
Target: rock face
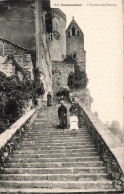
[(50, 160), (60, 73)]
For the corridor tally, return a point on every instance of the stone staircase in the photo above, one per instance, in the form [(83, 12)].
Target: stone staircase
[(50, 160)]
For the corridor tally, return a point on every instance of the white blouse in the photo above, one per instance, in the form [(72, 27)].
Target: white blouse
[(73, 122)]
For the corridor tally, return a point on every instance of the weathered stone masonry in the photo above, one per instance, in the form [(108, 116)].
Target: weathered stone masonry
[(58, 36), (22, 57), (60, 71), (29, 30), (75, 43)]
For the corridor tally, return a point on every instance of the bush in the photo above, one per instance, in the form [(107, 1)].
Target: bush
[(78, 79), (16, 94)]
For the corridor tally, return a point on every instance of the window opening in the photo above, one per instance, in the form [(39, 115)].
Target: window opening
[(78, 33), (73, 31)]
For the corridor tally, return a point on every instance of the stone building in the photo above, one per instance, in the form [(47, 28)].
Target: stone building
[(43, 31), (35, 34), (58, 36), (10, 52), (75, 43), (25, 26)]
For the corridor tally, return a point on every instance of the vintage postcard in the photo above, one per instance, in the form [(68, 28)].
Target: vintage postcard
[(61, 96)]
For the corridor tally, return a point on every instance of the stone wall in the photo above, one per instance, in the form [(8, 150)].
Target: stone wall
[(107, 144), (45, 63), (16, 132), (17, 22), (26, 23), (20, 55), (58, 36), (74, 44), (83, 95), (60, 72)]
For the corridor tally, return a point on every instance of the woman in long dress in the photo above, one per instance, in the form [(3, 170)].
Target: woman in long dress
[(62, 114), (49, 99), (74, 123)]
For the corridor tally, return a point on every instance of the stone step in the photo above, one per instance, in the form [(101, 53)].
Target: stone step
[(50, 160), (57, 137), (51, 130), (50, 127), (14, 155), (54, 177), (58, 190), (54, 164), (65, 159), (56, 134), (57, 141), (69, 170), (58, 184), (36, 147), (61, 151), (74, 143)]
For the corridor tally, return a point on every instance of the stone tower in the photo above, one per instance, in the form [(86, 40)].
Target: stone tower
[(75, 43), (57, 42)]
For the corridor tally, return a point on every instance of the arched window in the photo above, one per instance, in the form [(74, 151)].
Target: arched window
[(78, 33), (73, 31), (69, 34)]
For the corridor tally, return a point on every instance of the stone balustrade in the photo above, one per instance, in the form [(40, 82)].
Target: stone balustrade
[(108, 145), (10, 138)]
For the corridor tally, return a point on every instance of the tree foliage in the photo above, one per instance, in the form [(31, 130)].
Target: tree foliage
[(78, 79), (16, 94)]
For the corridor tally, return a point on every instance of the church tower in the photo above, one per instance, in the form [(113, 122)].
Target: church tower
[(75, 43)]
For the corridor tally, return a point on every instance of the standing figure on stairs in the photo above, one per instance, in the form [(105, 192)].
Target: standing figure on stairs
[(34, 101), (49, 99), (62, 114), (73, 100), (75, 108), (73, 123), (61, 99)]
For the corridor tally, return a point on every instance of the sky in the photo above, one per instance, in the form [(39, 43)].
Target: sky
[(102, 24)]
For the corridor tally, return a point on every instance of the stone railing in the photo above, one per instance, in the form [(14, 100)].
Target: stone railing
[(109, 147), (10, 138)]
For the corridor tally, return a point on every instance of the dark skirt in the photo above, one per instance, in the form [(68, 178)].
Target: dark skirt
[(49, 102), (63, 122)]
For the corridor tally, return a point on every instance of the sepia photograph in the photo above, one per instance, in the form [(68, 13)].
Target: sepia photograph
[(61, 96)]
